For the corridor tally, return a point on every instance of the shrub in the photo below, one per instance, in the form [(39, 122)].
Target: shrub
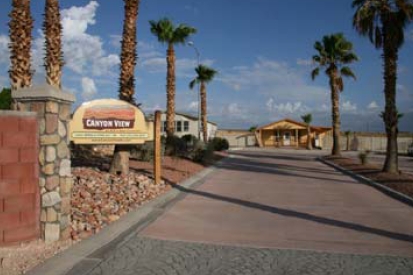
[(190, 139), (145, 152), (219, 144), (5, 99), (204, 154), (363, 157), (175, 146)]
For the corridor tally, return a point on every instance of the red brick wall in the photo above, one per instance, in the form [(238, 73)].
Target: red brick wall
[(19, 170)]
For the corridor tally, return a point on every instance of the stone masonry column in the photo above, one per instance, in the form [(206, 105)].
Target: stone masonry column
[(53, 109)]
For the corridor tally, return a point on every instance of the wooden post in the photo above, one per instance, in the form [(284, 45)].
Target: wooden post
[(296, 137), (157, 147)]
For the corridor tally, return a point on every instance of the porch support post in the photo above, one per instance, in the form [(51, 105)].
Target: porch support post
[(296, 137), (278, 138)]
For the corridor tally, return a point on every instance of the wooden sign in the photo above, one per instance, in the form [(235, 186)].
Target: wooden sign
[(109, 121)]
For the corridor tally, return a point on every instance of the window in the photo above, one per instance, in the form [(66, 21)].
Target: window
[(179, 126), (186, 126), (163, 126)]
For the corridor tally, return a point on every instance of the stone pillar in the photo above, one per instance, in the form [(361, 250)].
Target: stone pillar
[(53, 109)]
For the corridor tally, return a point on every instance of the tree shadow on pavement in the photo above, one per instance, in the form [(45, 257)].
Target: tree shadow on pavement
[(300, 215), (245, 165)]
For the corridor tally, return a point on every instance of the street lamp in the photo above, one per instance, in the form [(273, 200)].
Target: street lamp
[(191, 44)]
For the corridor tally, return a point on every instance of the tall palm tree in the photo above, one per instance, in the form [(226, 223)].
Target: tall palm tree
[(204, 76), (308, 118), (334, 53), (128, 52), (168, 33), (384, 21), (20, 32), (52, 27), (128, 56)]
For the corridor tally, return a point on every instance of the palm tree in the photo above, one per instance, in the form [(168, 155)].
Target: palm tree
[(128, 56), (384, 21), (334, 53), (128, 53), (53, 62), (168, 33), (308, 118), (20, 32), (204, 76)]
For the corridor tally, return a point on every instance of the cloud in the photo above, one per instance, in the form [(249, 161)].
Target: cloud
[(4, 49), (115, 40), (75, 20), (192, 8), (274, 79), (84, 52), (193, 106), (270, 104), (184, 66), (88, 88), (373, 105), (304, 62), (347, 106)]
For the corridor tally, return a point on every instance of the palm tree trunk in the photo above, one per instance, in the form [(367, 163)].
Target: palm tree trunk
[(170, 91), (20, 32), (53, 43), (204, 112), (120, 161), (390, 111), (335, 103), (309, 141), (128, 53), (348, 143)]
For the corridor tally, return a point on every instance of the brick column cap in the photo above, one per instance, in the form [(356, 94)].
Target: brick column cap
[(42, 92), (5, 113)]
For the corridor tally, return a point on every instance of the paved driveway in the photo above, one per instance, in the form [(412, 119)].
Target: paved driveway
[(273, 212)]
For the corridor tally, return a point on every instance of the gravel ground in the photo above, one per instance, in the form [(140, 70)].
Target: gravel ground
[(402, 182), (88, 175)]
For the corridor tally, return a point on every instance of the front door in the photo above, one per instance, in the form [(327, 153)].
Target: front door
[(287, 138)]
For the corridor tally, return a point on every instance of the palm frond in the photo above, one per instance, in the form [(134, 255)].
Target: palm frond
[(347, 72), (193, 83), (315, 73), (307, 118)]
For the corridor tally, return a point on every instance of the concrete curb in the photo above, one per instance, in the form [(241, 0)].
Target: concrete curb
[(382, 188), (83, 256)]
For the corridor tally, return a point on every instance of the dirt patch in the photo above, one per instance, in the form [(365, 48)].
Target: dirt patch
[(99, 199), (19, 259), (402, 182)]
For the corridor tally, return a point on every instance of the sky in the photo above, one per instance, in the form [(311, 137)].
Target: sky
[(262, 50)]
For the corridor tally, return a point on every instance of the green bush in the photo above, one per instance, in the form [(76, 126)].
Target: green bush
[(363, 157), (204, 154), (175, 146), (5, 99), (219, 144), (145, 152), (190, 139)]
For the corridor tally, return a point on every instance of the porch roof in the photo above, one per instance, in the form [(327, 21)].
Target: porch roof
[(290, 124)]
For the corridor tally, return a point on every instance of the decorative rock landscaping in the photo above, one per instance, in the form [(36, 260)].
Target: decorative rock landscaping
[(99, 198)]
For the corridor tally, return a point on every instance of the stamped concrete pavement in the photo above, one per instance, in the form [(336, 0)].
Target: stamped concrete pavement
[(272, 212)]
